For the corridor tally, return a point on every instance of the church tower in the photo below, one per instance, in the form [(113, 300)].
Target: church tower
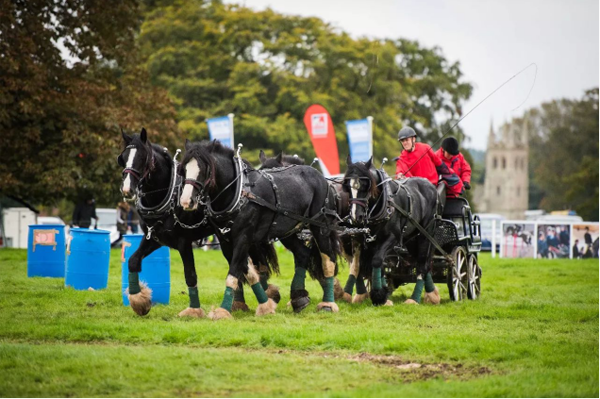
[(506, 187)]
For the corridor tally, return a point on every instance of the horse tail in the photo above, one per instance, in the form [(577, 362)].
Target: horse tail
[(264, 254)]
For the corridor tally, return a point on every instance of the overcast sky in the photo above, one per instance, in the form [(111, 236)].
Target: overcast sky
[(492, 40)]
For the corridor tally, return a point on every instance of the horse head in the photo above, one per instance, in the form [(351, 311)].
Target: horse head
[(137, 161), (198, 170), (361, 186)]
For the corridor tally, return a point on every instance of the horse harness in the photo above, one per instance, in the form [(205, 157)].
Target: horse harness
[(385, 212)]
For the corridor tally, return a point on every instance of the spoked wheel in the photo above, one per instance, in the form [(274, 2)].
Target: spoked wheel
[(474, 278), (457, 280)]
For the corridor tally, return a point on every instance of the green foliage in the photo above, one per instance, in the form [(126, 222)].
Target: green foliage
[(535, 331), (564, 154), (268, 68), (59, 119)]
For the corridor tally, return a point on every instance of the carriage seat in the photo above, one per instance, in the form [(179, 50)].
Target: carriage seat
[(441, 191), (454, 207)]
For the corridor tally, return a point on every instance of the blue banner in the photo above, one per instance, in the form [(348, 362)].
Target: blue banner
[(359, 139), (221, 129)]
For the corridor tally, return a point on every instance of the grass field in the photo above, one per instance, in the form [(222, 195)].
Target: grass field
[(534, 332)]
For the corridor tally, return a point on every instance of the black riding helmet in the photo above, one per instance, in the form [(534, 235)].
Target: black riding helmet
[(406, 132), (450, 144)]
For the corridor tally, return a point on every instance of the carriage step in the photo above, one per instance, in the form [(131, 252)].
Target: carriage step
[(400, 250)]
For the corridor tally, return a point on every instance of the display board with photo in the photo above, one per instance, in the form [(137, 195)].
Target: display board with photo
[(584, 240), (518, 239), (553, 240)]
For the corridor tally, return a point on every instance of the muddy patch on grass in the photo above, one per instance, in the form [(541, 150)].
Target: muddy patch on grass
[(411, 371)]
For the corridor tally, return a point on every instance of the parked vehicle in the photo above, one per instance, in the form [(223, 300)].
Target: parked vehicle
[(107, 220), (486, 230)]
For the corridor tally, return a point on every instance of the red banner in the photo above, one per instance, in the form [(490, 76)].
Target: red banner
[(320, 129)]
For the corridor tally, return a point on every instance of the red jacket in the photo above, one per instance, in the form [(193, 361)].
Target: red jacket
[(458, 164), (429, 166), (426, 167)]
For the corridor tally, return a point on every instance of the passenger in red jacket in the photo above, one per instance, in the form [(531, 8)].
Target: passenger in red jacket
[(419, 160), (451, 156)]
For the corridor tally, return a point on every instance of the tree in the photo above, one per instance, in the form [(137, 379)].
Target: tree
[(564, 154), (60, 118), (268, 68)]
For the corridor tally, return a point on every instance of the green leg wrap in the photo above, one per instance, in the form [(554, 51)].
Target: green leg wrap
[(227, 299), (298, 280), (260, 293), (360, 286), (376, 276), (383, 279), (238, 295), (134, 284), (264, 280), (194, 299), (328, 290), (349, 288), (416, 295), (429, 286)]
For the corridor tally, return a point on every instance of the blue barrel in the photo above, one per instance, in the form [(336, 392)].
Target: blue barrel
[(46, 250), (156, 269), (88, 256)]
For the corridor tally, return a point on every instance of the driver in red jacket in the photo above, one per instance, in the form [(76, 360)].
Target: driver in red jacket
[(419, 160)]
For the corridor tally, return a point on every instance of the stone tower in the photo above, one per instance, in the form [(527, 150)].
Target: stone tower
[(506, 187)]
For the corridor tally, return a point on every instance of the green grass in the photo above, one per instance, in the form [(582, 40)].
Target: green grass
[(534, 332)]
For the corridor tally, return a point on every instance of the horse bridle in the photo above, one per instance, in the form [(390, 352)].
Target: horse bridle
[(363, 202), (136, 173)]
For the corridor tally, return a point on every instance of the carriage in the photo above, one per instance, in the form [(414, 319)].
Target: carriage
[(457, 242)]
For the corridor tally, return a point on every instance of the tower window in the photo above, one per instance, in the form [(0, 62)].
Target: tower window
[(503, 163), (495, 163), (518, 191), (498, 190)]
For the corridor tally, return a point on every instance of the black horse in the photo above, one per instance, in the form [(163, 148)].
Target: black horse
[(150, 179), (254, 206), (283, 160), (376, 202)]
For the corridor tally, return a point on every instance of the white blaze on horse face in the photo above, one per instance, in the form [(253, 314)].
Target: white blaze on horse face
[(354, 194), (127, 182), (192, 170)]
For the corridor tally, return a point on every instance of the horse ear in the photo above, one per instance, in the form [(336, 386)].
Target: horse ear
[(143, 136), (262, 157), (127, 139), (188, 144), (279, 157), (348, 160), (369, 163)]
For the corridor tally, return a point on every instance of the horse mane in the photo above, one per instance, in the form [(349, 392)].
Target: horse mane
[(363, 170)]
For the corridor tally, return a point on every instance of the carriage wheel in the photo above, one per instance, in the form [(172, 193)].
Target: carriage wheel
[(474, 278), (457, 280)]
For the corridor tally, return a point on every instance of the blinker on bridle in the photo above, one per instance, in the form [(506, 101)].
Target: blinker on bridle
[(360, 201), (134, 172)]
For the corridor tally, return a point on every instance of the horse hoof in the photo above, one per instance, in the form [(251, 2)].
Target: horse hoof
[(192, 312), (300, 303), (288, 304), (388, 303), (432, 297), (141, 303), (328, 307), (238, 305), (338, 291), (359, 298), (347, 297), (273, 293), (266, 308), (410, 301), (219, 314), (379, 297)]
